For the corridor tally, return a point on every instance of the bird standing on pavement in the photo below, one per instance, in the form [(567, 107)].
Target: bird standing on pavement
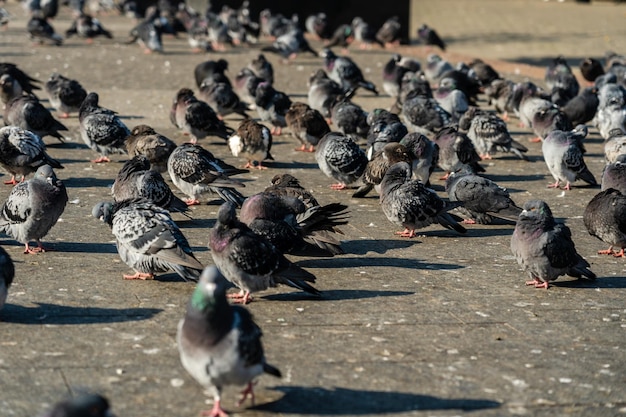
[(144, 140), (66, 95), (87, 27), (250, 261), (378, 165), (41, 31), (563, 154), (196, 118), (84, 405), (307, 125), (272, 106), (27, 112), (339, 157), (148, 240), (7, 273), (605, 218), (253, 141), (220, 344), (429, 36), (33, 208), (345, 72), (544, 248), (389, 32)]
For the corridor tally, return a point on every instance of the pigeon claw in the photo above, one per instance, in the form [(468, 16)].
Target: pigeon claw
[(139, 275), (406, 233), (538, 283), (555, 185), (338, 187), (12, 181), (469, 221), (32, 251), (101, 160), (216, 411), (192, 202), (242, 297), (303, 148), (536, 139), (247, 392)]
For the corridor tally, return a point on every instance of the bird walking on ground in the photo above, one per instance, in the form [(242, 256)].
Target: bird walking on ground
[(250, 261), (33, 207), (544, 248), (220, 344), (148, 240)]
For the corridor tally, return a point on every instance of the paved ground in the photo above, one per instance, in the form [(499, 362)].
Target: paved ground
[(441, 325)]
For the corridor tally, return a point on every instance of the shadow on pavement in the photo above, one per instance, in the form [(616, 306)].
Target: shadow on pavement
[(600, 282), (335, 295), (345, 262), (344, 401), (60, 314)]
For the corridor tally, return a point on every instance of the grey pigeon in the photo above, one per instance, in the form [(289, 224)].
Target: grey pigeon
[(22, 152), (429, 36), (290, 44), (408, 203), (349, 118), (317, 25), (456, 150), (550, 119), (378, 165), (144, 140), (212, 71), (196, 118), (615, 145), (28, 113), (148, 35), (286, 185), (148, 240), (435, 68), (250, 261), (253, 141), (544, 248), (222, 98), (220, 344), (345, 72), (324, 92), (262, 68), (83, 405), (530, 106), (364, 33), (272, 106), (136, 180), (424, 155), (306, 124), (339, 157), (87, 27), (605, 218), (343, 36), (394, 70), (564, 156), (560, 75), (293, 228), (7, 273), (481, 198), (485, 74), (33, 208), (489, 134), (499, 94), (25, 81), (9, 88), (423, 114), (66, 95), (41, 31), (451, 99), (101, 129), (245, 85), (614, 175), (389, 32), (195, 171), (384, 127), (582, 108)]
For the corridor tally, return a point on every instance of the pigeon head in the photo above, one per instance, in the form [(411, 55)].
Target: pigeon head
[(211, 286), (357, 21), (184, 94), (328, 54), (226, 215), (88, 405), (537, 210), (395, 152), (104, 212), (142, 130), (45, 173), (288, 180), (415, 143)]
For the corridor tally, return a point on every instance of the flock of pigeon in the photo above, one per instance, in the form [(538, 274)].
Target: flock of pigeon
[(435, 121)]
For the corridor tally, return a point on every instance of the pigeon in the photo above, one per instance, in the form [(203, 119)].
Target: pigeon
[(290, 44), (435, 68), (614, 175), (7, 273), (33, 208), (393, 73), (272, 106), (324, 92), (451, 99), (317, 25), (195, 171), (364, 33), (41, 31), (101, 129), (88, 27), (147, 239), (253, 141), (222, 98), (489, 133), (345, 72), (499, 94), (250, 261), (66, 95), (424, 114), (343, 36), (84, 405), (212, 71), (27, 82), (485, 73), (408, 203), (144, 140), (286, 185), (339, 157), (591, 69), (220, 344), (262, 68), (196, 118), (389, 33), (455, 150), (148, 35), (22, 152), (292, 228), (424, 155), (464, 80), (428, 36), (559, 75), (548, 120), (307, 125), (481, 199), (530, 106), (9, 89), (615, 146), (196, 27), (217, 30), (605, 218), (246, 83), (136, 180), (582, 108), (564, 157), (378, 165), (385, 127), (544, 248), (28, 113), (349, 118)]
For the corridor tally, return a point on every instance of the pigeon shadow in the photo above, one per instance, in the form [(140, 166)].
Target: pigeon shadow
[(477, 231), (600, 282), (510, 177), (83, 247), (291, 165), (345, 401), (86, 182), (194, 223), (59, 314), (67, 145), (335, 295), (380, 246), (354, 262)]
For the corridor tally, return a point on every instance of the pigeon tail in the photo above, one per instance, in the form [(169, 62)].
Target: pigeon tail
[(447, 221), (587, 176), (368, 86), (300, 285), (231, 195), (363, 190), (269, 369)]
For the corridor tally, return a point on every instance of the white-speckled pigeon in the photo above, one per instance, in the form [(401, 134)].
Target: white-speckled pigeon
[(66, 95), (339, 157), (489, 134)]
